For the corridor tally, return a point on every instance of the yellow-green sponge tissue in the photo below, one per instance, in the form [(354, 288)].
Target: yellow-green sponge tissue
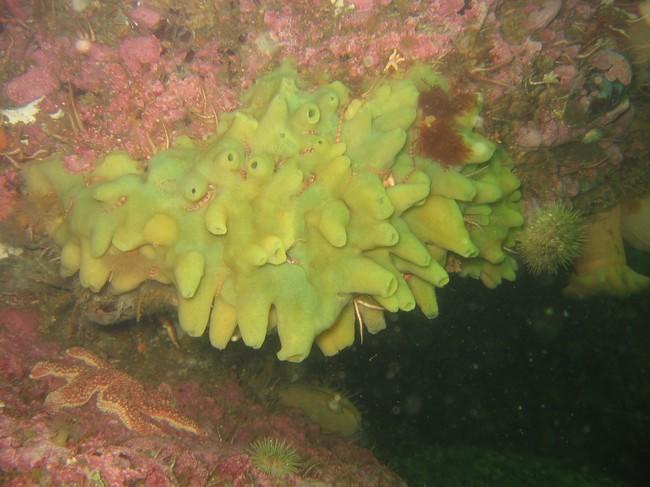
[(309, 211)]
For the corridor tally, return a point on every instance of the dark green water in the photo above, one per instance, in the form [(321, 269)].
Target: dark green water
[(520, 370)]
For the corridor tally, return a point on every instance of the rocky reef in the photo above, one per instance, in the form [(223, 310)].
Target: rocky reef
[(159, 157), (82, 419)]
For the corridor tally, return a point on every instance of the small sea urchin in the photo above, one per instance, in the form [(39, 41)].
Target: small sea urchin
[(551, 240), (274, 457)]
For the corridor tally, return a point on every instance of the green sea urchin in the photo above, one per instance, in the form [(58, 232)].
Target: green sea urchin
[(274, 457), (551, 240)]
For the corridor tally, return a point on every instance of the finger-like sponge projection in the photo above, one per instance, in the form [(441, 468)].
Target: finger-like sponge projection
[(306, 212)]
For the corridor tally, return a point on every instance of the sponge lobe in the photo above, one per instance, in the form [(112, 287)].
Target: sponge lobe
[(305, 212)]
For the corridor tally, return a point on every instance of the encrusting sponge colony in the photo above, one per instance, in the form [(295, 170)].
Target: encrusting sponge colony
[(306, 211)]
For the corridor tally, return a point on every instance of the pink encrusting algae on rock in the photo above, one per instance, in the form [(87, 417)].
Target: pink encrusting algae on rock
[(9, 198), (42, 442), (172, 74), (139, 91), (614, 64), (35, 83), (18, 331), (158, 73)]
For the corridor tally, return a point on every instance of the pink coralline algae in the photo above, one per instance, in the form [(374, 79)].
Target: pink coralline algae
[(78, 445), (36, 82), (139, 52), (169, 71), (368, 5), (81, 162), (539, 16), (146, 17), (18, 333), (18, 9), (349, 43), (144, 86), (8, 194), (614, 64)]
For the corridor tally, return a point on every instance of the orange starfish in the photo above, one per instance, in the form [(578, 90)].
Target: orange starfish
[(117, 393)]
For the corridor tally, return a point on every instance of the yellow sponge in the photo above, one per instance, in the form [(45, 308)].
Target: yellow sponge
[(307, 213)]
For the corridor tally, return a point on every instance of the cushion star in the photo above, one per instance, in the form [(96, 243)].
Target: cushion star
[(117, 393)]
